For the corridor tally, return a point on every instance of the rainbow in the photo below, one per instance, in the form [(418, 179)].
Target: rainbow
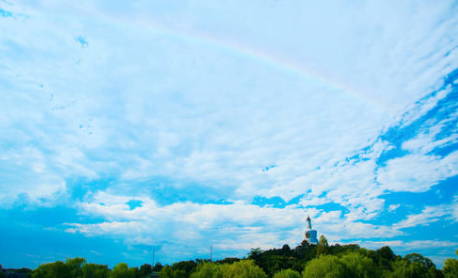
[(271, 60)]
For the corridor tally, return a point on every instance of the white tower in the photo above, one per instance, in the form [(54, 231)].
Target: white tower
[(310, 234)]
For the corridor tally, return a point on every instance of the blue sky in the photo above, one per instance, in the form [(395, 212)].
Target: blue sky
[(184, 124)]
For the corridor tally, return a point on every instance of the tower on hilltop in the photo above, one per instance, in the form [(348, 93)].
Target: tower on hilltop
[(310, 234)]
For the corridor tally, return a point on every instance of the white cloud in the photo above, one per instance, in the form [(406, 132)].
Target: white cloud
[(241, 226), (427, 216), (455, 209), (393, 207), (203, 94), (137, 119), (223, 223), (25, 178), (417, 173)]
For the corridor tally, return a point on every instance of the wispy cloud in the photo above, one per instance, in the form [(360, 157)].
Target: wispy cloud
[(184, 106)]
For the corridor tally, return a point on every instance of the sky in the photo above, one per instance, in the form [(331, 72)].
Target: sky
[(176, 125)]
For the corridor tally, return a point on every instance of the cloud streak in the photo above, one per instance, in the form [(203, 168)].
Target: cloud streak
[(182, 107)]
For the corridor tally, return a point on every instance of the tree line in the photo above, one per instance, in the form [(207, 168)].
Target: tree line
[(303, 261)]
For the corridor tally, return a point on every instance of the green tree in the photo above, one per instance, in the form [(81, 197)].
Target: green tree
[(74, 267), (52, 270), (387, 253), (323, 247), (122, 270), (287, 273), (326, 266), (158, 266), (166, 272), (255, 253), (242, 269), (286, 250), (187, 266), (169, 272), (208, 270), (417, 258), (360, 266), (274, 263), (145, 269), (384, 257), (229, 260), (450, 267), (95, 271), (413, 266)]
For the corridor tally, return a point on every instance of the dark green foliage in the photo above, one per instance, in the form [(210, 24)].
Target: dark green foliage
[(145, 269), (450, 267), (382, 257), (254, 253), (417, 258), (181, 269), (287, 273), (413, 266), (322, 260), (323, 247), (122, 270), (19, 272), (52, 270), (305, 252), (208, 270), (95, 271), (328, 266), (169, 272), (228, 260), (339, 249), (240, 269), (386, 253), (385, 257), (405, 269), (274, 260), (75, 267), (360, 266), (157, 267), (286, 249), (186, 266)]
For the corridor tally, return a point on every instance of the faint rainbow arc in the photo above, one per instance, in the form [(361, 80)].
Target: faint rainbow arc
[(269, 59)]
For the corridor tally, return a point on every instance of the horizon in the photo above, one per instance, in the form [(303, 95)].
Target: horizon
[(181, 125)]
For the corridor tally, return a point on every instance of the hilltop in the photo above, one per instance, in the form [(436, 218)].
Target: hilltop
[(306, 260)]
